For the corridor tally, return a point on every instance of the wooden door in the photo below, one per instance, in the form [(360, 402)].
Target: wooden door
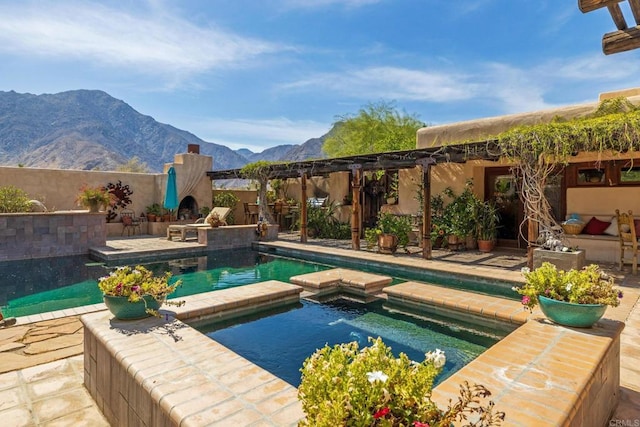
[(500, 187)]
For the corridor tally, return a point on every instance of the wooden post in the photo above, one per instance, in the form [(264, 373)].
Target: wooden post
[(426, 205), (356, 171), (303, 208)]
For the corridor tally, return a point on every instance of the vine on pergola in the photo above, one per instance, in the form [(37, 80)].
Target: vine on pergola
[(537, 150), (261, 172)]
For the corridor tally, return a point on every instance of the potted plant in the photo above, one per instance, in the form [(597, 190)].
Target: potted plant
[(347, 386), (153, 212), (486, 226), (576, 298), (134, 292), (392, 231), (93, 197)]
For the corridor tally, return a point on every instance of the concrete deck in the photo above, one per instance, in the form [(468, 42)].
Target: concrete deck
[(58, 385)]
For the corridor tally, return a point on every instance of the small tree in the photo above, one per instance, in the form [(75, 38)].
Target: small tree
[(134, 165), (14, 200), (377, 128)]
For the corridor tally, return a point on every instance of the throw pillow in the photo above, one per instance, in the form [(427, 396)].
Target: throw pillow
[(612, 230), (595, 226), (126, 220)]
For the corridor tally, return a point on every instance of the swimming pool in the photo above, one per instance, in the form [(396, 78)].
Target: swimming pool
[(42, 285), (279, 341)]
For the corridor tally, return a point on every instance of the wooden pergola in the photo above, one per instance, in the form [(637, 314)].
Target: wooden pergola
[(624, 38), (424, 158)]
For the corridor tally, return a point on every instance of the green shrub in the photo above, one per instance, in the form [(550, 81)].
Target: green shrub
[(13, 200), (226, 199), (322, 223)]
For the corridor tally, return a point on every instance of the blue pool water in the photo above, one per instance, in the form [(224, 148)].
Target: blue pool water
[(42, 285), (37, 286), (279, 342)]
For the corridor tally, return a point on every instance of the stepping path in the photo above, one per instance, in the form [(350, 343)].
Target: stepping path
[(23, 346)]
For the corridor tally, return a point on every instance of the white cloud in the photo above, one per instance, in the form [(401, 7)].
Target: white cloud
[(391, 83), (151, 41), (256, 134), (593, 67)]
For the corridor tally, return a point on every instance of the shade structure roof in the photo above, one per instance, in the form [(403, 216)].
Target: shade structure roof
[(456, 153)]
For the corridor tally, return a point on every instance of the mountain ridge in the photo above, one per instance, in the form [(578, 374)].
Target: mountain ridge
[(89, 129)]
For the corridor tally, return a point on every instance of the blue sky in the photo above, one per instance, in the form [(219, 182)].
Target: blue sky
[(260, 73)]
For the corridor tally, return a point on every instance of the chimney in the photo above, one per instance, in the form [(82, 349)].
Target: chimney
[(193, 148)]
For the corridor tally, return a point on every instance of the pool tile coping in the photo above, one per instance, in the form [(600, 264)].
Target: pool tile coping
[(513, 364)]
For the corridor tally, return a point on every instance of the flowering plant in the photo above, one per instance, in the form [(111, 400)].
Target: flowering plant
[(136, 282), (346, 386), (93, 195), (587, 286)]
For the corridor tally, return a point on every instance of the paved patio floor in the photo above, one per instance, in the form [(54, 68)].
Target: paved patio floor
[(41, 362)]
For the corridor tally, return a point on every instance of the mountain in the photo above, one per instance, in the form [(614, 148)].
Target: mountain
[(89, 129)]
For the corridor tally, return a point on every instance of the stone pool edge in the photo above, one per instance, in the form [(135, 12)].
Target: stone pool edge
[(540, 372)]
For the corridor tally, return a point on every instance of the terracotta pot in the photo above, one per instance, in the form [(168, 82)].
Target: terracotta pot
[(387, 243), (485, 245)]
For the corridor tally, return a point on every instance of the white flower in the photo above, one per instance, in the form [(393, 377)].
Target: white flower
[(525, 270), (437, 357), (569, 286), (377, 376), (514, 288)]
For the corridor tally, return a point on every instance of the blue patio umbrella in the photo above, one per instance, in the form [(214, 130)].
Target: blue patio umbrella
[(171, 194)]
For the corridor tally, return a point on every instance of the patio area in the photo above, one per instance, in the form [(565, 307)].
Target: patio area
[(45, 386)]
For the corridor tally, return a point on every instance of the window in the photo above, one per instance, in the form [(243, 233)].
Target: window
[(629, 174), (591, 176)]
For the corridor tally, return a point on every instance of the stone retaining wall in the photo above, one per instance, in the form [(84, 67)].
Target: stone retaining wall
[(43, 235)]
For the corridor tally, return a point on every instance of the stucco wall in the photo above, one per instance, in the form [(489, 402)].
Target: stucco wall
[(58, 188)]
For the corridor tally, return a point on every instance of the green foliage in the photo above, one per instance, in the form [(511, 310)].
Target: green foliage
[(93, 195), (487, 221), (460, 216), (227, 199), (614, 126), (377, 128), (347, 386), (154, 209), (257, 170), (14, 200), (371, 237), (388, 223), (322, 223), (587, 286), (134, 283), (134, 165)]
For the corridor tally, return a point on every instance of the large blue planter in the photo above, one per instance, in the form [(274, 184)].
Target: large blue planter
[(570, 314), (123, 309)]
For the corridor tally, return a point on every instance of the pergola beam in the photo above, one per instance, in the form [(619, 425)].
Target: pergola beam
[(617, 16), (635, 9), (589, 5), (621, 40)]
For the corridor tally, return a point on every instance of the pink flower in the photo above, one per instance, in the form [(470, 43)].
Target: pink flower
[(420, 424), (381, 413), (525, 300), (547, 291), (119, 288), (135, 288)]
